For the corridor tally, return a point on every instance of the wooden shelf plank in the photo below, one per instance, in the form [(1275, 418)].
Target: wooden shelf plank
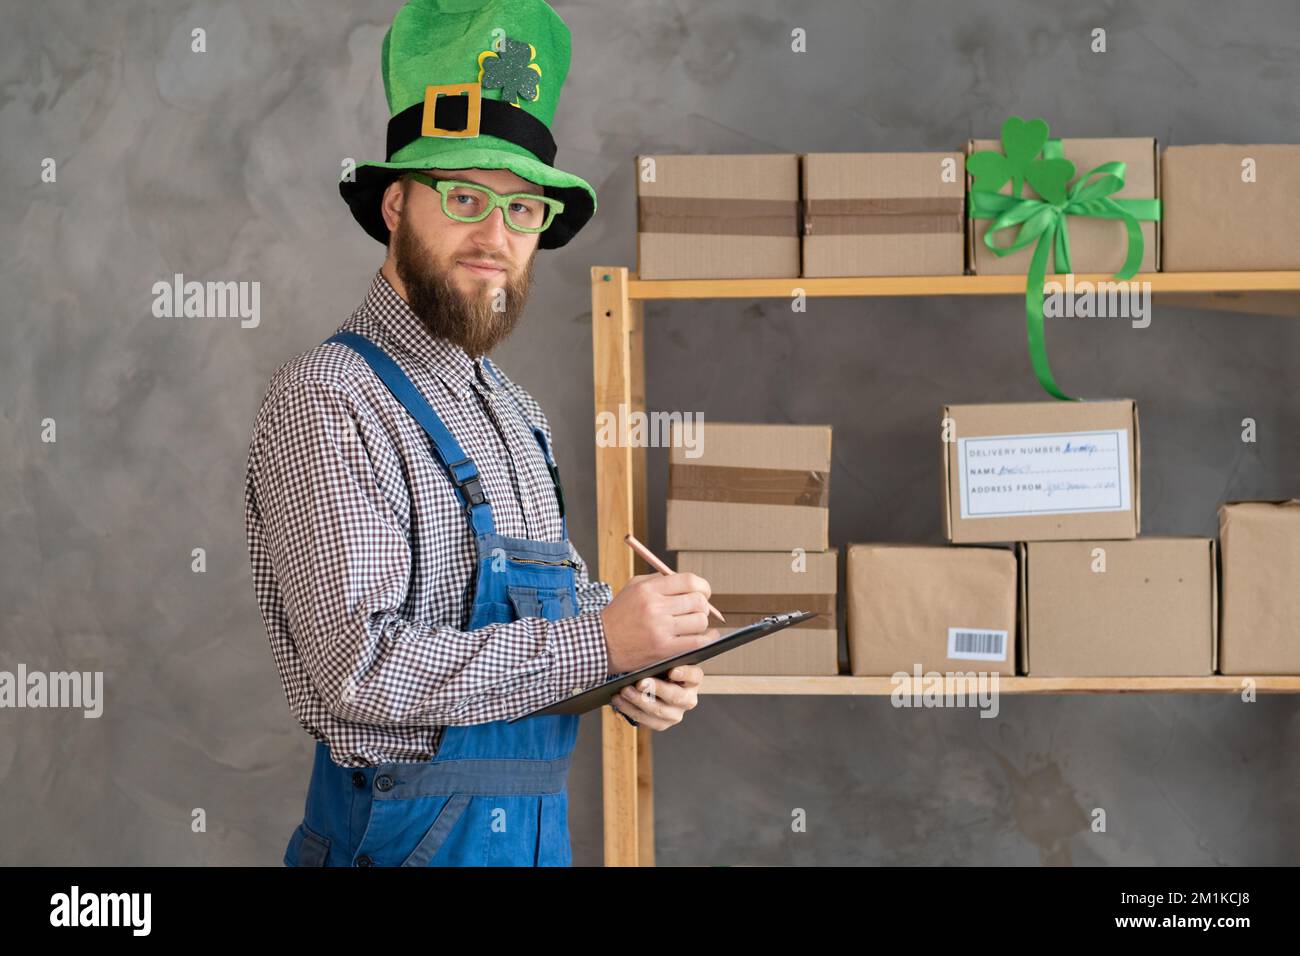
[(884, 686), (1209, 282)]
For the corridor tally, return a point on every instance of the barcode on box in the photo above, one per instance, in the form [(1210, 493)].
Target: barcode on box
[(970, 644)]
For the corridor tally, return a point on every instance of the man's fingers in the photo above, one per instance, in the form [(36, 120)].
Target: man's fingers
[(667, 691), (688, 603), (682, 582), (624, 706), (692, 623), (643, 708), (689, 674)]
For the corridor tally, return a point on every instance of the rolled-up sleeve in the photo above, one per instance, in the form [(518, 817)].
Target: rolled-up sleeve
[(342, 559)]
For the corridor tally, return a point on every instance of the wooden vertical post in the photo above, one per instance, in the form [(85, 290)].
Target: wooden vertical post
[(640, 523), (611, 338)]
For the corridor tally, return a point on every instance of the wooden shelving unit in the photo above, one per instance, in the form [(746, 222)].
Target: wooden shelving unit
[(884, 686), (618, 356)]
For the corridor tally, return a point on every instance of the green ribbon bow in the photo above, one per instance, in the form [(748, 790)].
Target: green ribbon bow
[(1042, 222)]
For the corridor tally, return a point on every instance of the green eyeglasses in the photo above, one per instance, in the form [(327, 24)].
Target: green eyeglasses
[(472, 202)]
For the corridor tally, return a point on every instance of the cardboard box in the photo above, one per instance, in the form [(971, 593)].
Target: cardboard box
[(944, 609), (718, 217), (1259, 553), (1041, 471), (1151, 612), (1096, 245), (749, 585), (749, 488), (1214, 220), (883, 214)]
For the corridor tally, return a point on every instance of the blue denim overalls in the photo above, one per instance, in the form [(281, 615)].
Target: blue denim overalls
[(495, 793)]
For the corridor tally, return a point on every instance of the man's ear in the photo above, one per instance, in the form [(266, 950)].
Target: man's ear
[(391, 204)]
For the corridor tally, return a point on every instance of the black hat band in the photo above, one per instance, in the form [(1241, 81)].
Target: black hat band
[(496, 118)]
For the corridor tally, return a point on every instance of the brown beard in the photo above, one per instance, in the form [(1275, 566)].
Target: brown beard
[(471, 323)]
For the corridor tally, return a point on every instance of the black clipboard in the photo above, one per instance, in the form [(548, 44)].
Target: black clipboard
[(602, 694)]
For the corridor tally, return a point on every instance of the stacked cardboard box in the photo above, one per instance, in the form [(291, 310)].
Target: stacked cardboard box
[(1230, 207), (1064, 480), (784, 215), (883, 214), (717, 217), (936, 608), (747, 510), (1012, 472), (1096, 244), (1041, 471), (1061, 480), (749, 585), (1259, 545), (1145, 607)]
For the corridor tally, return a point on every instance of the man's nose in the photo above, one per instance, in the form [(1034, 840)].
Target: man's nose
[(492, 231)]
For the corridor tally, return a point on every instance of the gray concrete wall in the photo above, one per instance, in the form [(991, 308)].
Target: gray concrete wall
[(224, 165)]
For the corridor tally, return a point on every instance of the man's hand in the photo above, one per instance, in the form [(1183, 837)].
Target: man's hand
[(661, 703), (654, 617)]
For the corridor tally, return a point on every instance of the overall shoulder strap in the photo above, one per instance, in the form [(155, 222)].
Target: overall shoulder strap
[(462, 471)]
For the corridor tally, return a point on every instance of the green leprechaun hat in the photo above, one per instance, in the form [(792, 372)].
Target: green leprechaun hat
[(474, 84)]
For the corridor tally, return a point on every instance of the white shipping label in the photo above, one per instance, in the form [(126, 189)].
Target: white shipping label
[(974, 644), (1010, 475)]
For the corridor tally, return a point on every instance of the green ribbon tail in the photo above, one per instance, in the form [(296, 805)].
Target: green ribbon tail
[(1044, 224), (1034, 319), (1132, 210)]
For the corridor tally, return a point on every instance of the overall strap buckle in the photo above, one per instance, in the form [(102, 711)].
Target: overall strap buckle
[(469, 485)]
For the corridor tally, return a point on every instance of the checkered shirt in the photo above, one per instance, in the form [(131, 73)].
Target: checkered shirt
[(363, 559)]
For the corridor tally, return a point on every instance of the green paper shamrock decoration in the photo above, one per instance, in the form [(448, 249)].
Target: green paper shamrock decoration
[(1041, 221), (511, 71), (1021, 143)]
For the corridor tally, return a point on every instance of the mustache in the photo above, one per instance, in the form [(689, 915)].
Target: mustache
[(499, 262)]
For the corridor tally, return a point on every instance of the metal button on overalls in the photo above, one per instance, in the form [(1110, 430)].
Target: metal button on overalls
[(494, 793)]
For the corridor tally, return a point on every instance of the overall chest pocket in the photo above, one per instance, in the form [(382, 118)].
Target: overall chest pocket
[(549, 603)]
